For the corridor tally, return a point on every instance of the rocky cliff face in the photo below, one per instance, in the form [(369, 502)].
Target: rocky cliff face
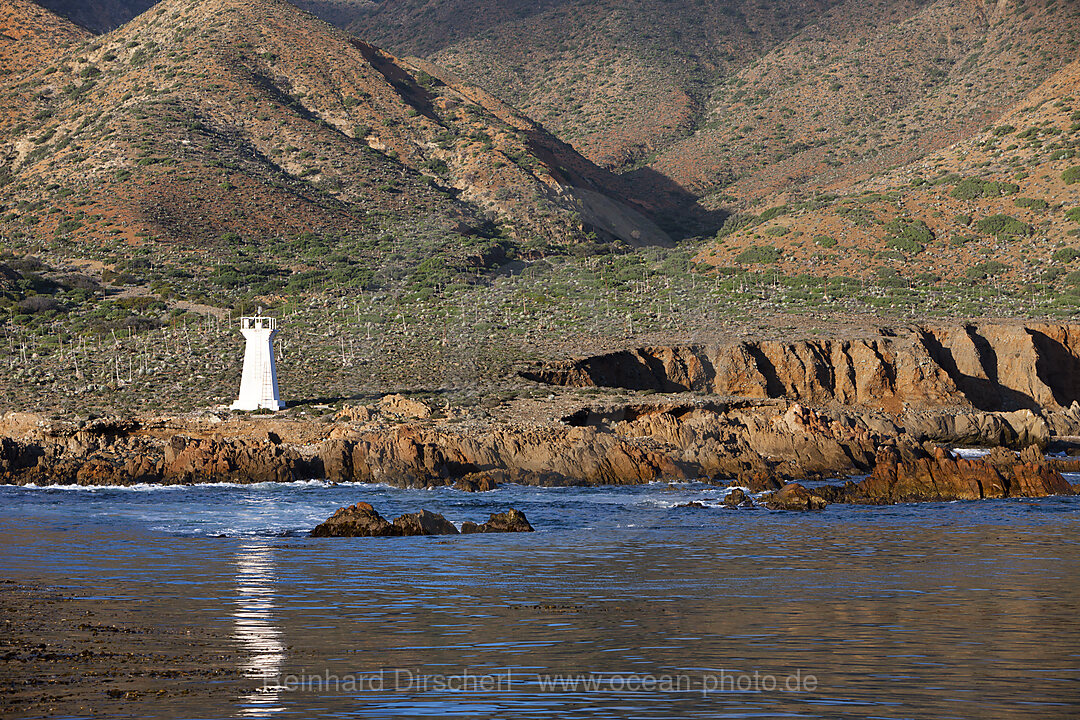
[(755, 444), (878, 406), (983, 367)]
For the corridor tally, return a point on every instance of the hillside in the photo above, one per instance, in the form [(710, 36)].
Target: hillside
[(738, 100), (868, 87), (98, 15), (1000, 210), (31, 37), (619, 80), (235, 126)]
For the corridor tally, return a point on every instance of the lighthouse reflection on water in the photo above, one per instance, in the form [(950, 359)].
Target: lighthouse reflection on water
[(259, 638)]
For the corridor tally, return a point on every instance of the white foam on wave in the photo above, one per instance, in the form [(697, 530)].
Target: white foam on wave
[(970, 453), (147, 487), (138, 487)]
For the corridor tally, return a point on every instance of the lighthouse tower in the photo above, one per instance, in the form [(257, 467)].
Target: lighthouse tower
[(258, 385)]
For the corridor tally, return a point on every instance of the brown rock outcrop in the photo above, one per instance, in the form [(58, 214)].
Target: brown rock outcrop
[(240, 460), (941, 477), (404, 407), (510, 521), (795, 497), (359, 520), (983, 367), (476, 482), (738, 498), (422, 456), (424, 523)]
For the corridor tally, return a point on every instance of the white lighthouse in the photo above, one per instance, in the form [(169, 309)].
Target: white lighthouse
[(258, 385)]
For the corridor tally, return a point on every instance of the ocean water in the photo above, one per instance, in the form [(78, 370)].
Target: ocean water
[(620, 605)]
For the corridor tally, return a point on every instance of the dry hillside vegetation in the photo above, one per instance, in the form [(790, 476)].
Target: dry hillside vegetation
[(1002, 208), (619, 80), (871, 85), (98, 15), (31, 36), (255, 121), (741, 100)]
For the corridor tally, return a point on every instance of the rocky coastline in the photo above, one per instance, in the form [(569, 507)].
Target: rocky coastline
[(890, 419)]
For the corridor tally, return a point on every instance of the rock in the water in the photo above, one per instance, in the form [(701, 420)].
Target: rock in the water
[(424, 523), (691, 504), (359, 520), (794, 496), (510, 521), (476, 482), (938, 476), (738, 498), (759, 482)]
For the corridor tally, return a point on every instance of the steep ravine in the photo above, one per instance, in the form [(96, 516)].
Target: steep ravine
[(991, 368)]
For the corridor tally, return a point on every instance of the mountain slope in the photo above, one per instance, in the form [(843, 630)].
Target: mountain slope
[(738, 99), (222, 118), (31, 37), (99, 15), (868, 87), (619, 80), (999, 209)]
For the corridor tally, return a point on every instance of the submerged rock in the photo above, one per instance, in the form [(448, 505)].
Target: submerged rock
[(794, 496), (424, 523), (359, 520), (510, 521), (476, 482), (738, 498)]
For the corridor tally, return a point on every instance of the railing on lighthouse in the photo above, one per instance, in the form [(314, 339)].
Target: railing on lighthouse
[(259, 384)]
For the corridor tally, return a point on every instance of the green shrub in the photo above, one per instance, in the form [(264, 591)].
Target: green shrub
[(1031, 203), (968, 189), (905, 245), (890, 277), (1065, 255), (829, 241), (974, 188), (987, 269), (777, 231), (774, 212), (1073, 215), (908, 236), (759, 254), (1072, 175), (1004, 226), (964, 220)]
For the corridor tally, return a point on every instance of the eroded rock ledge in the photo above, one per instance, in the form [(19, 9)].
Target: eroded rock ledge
[(984, 367)]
